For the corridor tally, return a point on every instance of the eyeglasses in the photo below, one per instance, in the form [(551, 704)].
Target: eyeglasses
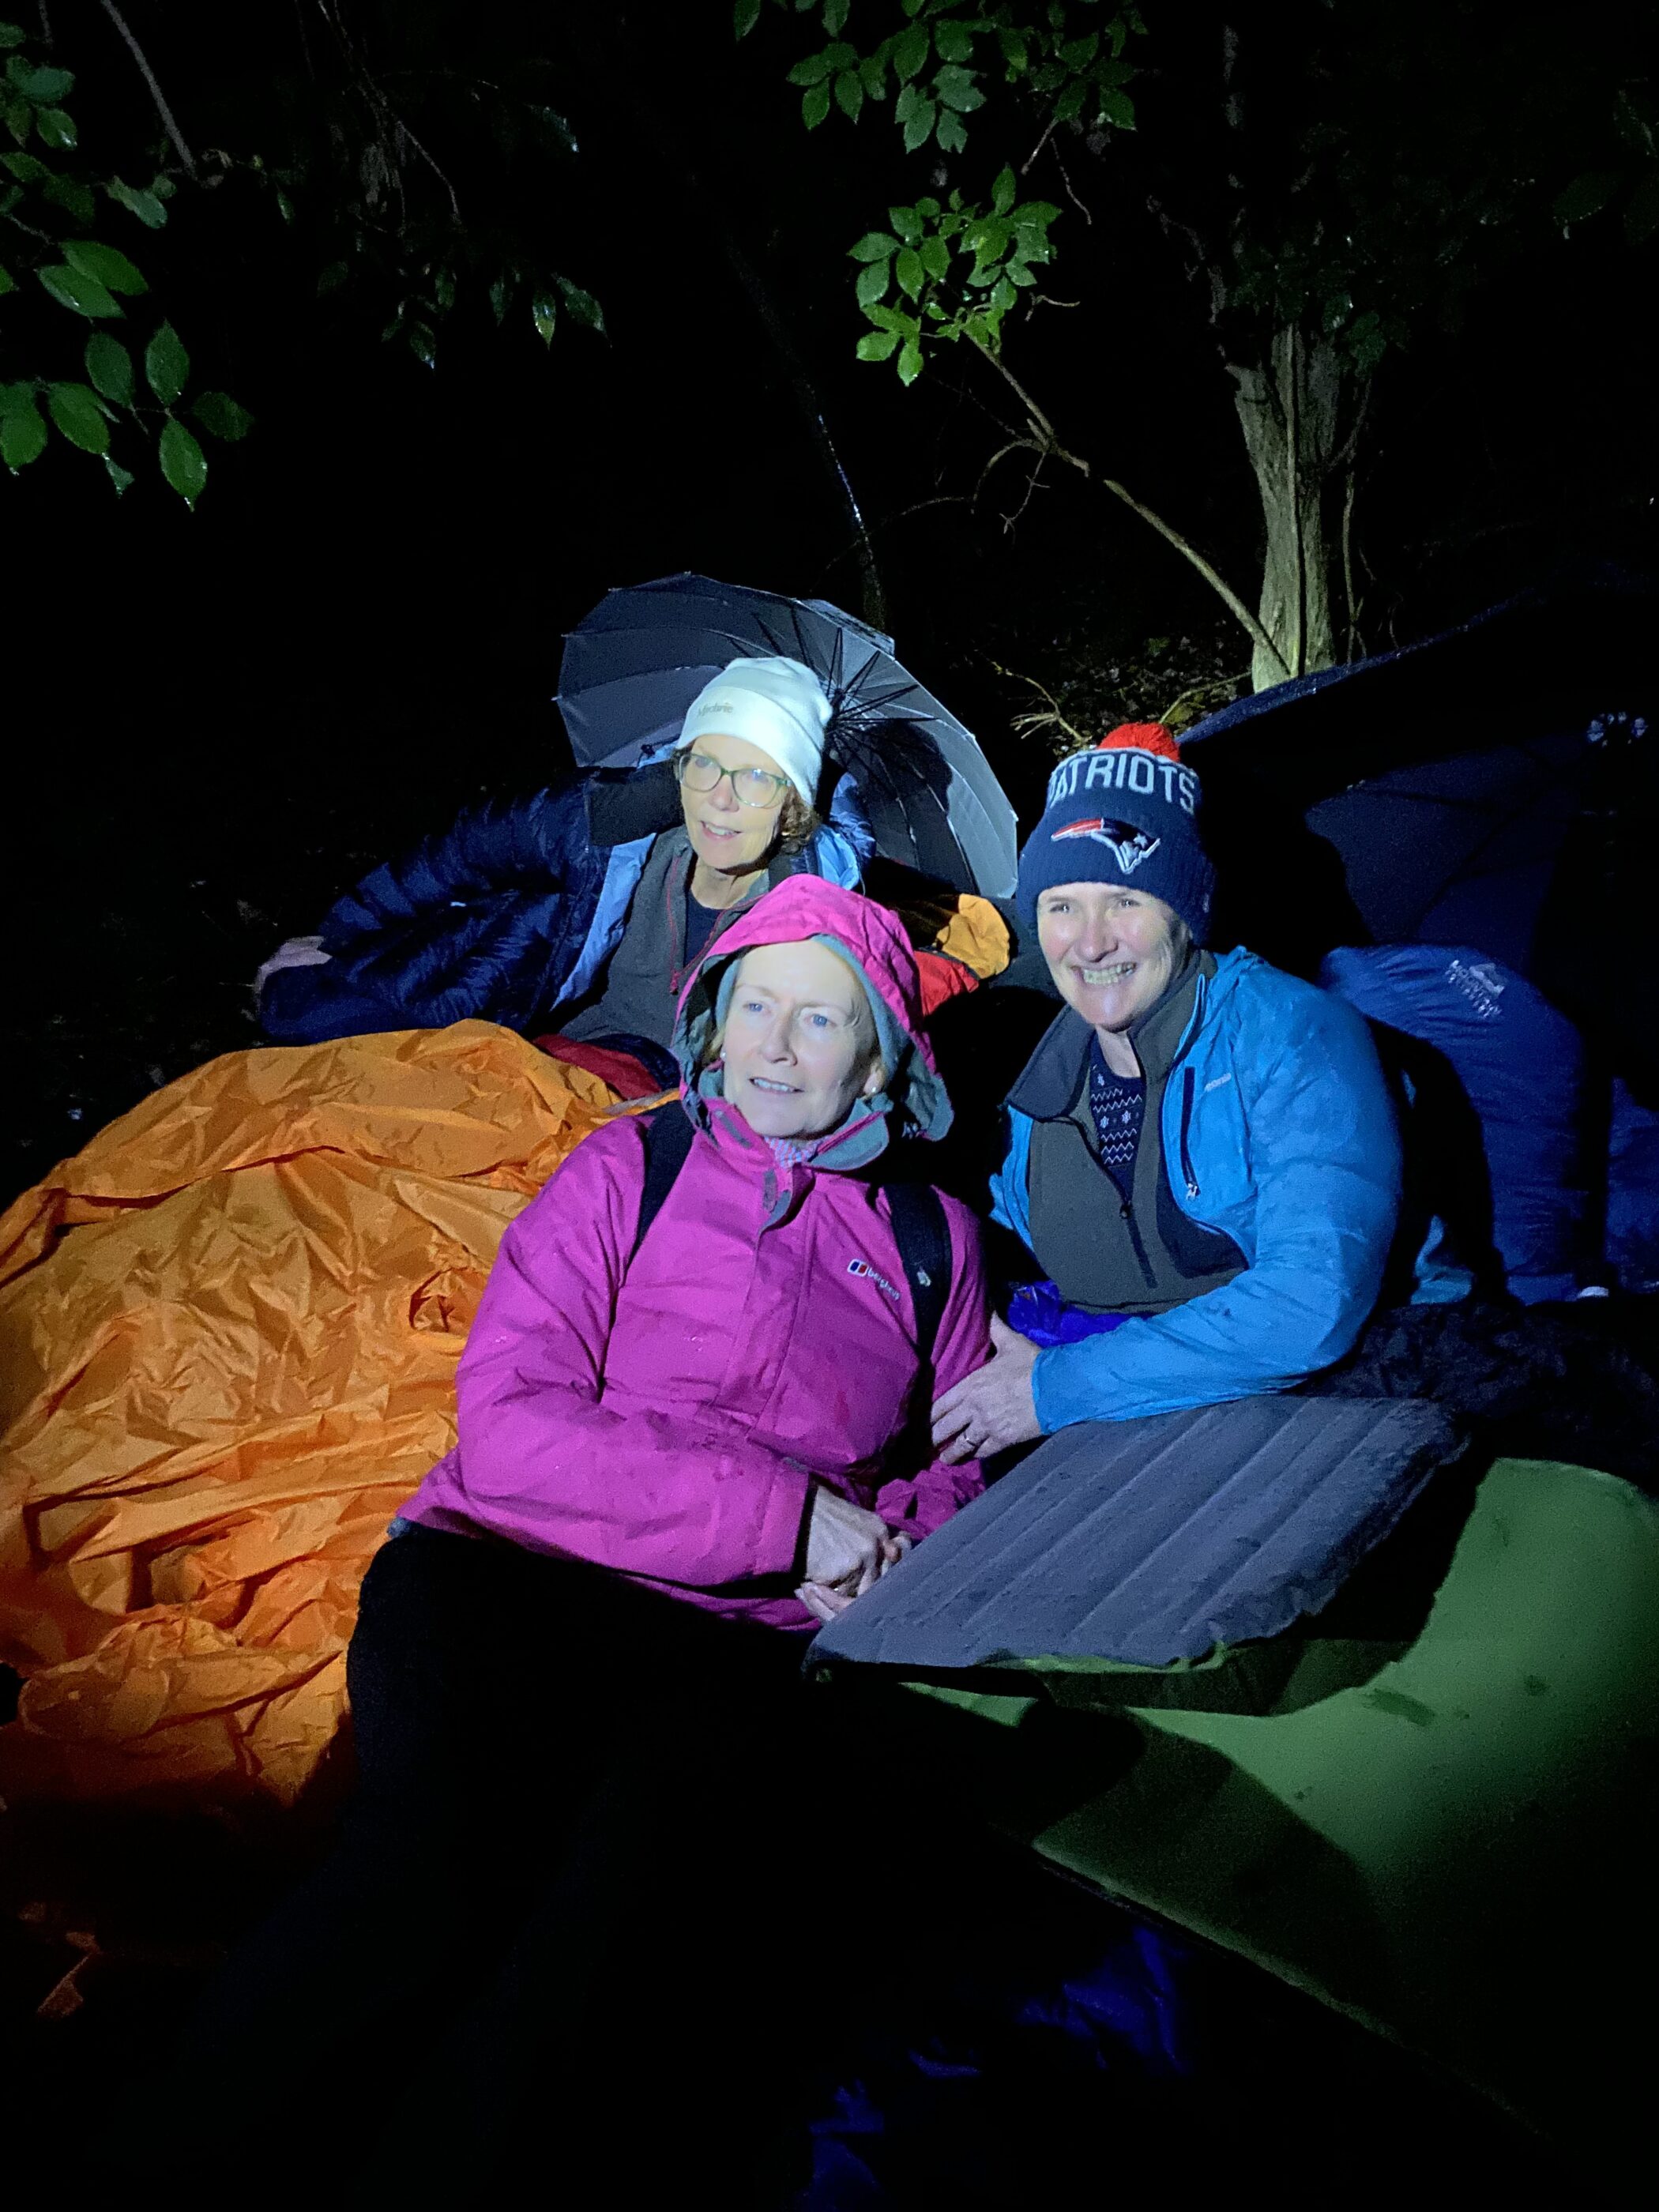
[(753, 787)]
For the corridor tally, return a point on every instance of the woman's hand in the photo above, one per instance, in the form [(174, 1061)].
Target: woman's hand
[(846, 1544), (993, 1407), (827, 1602)]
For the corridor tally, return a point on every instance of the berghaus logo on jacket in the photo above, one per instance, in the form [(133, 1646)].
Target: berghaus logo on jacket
[(862, 1267)]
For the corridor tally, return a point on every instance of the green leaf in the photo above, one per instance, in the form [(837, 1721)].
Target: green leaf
[(84, 294), (72, 196), (145, 205), (1005, 191), (545, 313), (120, 477), (872, 282), (167, 365), (877, 345), (957, 88), (217, 412), (874, 246), (1015, 53), (1585, 196), (815, 106), (331, 278), (953, 41), (582, 306), (910, 50), (1078, 54), (910, 363), (813, 70), (912, 7), (953, 135), (910, 272), (12, 35), (183, 463), (22, 435), (285, 208), (887, 318), (77, 414), (498, 296), (111, 269), (422, 341), (745, 14), (918, 125), (907, 222), (24, 167), (1117, 107), (835, 17), (849, 95), (935, 257), (872, 74), (8, 282), (110, 367), (57, 129), (45, 87)]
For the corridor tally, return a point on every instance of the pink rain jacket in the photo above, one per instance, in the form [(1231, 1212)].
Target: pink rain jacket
[(668, 1418)]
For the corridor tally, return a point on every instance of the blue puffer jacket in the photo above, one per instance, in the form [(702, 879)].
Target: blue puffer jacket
[(1278, 1130), (510, 914)]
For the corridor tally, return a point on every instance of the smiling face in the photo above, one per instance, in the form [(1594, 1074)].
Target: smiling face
[(1112, 951), (724, 834), (800, 1047)]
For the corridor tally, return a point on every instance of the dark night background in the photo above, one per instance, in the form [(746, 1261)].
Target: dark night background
[(214, 721)]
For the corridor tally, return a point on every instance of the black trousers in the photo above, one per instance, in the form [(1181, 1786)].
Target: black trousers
[(614, 1880)]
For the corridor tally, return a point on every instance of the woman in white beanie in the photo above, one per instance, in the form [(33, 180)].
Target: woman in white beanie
[(579, 910)]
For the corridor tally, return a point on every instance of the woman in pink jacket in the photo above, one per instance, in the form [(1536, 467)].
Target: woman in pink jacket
[(587, 1763)]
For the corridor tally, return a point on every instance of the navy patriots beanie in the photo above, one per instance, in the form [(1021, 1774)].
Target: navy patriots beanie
[(1123, 812)]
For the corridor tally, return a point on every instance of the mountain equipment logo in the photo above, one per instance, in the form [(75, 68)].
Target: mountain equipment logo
[(1127, 846)]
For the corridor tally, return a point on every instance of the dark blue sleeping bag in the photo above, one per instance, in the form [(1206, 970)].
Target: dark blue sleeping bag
[(1495, 1077)]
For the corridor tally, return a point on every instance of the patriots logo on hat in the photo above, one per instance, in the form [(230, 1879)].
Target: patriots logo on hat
[(1127, 845)]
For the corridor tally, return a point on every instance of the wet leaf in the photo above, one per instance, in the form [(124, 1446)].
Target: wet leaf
[(582, 306), (110, 367), (110, 266), (74, 290), (872, 282), (22, 435), (1584, 197), (877, 345), (815, 106), (75, 412), (1117, 107), (45, 87), (183, 463), (57, 129), (72, 196), (1005, 191), (952, 135), (957, 88), (935, 257), (13, 34), (874, 246), (918, 125), (217, 411), (910, 362), (849, 95), (745, 14), (145, 205), (910, 52), (167, 365), (910, 272), (545, 313), (120, 477)]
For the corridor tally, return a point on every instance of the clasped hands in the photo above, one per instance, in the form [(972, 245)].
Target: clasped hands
[(848, 1548)]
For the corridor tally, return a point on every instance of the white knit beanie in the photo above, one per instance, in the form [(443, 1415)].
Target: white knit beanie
[(776, 704)]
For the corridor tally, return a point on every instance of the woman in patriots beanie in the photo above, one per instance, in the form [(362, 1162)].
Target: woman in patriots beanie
[(1203, 1155)]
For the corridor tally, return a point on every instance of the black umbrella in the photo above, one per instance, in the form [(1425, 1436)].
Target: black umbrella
[(634, 666), (1495, 785)]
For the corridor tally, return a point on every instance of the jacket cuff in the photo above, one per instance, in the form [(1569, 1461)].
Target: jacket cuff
[(780, 1541)]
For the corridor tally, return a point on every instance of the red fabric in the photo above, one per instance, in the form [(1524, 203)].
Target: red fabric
[(1143, 737), (940, 977), (628, 1077)]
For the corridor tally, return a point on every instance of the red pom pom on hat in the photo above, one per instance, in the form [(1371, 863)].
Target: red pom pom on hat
[(1142, 737)]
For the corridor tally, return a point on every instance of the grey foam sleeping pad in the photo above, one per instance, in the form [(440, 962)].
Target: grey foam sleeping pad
[(1149, 1541)]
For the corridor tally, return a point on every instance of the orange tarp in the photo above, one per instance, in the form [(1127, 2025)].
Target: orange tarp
[(228, 1332)]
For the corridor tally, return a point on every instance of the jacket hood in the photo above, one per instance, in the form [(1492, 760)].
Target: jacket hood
[(872, 940)]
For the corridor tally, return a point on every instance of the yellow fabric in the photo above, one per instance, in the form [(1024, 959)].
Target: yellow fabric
[(229, 1333), (976, 934)]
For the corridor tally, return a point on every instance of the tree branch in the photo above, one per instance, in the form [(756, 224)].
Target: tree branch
[(1045, 430), (156, 92)]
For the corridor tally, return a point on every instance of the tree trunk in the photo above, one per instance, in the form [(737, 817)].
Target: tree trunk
[(1290, 407)]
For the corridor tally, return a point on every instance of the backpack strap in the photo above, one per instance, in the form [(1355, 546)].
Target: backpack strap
[(668, 1134), (923, 1237)]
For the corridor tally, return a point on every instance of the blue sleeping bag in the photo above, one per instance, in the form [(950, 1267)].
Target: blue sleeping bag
[(1633, 1192), (1495, 1077)]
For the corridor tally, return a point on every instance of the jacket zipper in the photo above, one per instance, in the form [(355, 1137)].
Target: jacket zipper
[(1189, 1084)]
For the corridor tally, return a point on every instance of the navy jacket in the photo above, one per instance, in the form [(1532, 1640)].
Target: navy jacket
[(510, 914)]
